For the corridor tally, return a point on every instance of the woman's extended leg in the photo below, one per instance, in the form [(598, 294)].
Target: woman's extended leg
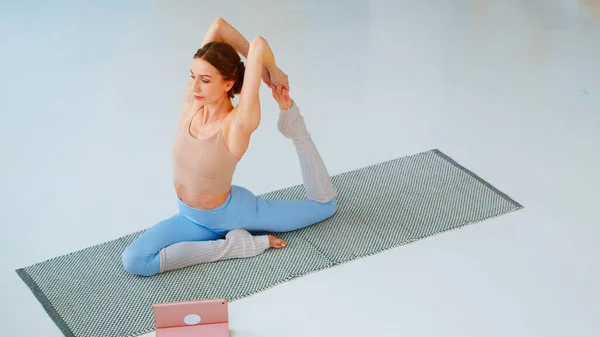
[(178, 242)]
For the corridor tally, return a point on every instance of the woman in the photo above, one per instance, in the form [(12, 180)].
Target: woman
[(216, 218)]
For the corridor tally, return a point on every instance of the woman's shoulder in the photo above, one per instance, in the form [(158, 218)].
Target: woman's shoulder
[(186, 119)]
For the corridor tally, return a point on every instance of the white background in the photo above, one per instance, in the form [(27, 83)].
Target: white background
[(91, 91)]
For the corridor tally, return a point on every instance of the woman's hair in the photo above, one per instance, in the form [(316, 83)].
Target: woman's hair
[(225, 58)]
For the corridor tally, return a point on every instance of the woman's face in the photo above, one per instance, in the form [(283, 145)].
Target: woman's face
[(206, 83)]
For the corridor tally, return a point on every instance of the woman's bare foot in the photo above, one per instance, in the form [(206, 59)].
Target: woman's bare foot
[(275, 242)]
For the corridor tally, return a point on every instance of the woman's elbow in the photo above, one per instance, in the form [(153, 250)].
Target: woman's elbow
[(258, 41), (218, 21)]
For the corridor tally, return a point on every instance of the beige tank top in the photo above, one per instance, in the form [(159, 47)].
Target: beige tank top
[(202, 165)]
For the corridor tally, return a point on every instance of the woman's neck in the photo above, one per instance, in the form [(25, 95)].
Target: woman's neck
[(215, 112)]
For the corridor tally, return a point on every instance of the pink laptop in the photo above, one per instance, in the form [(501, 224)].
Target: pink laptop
[(204, 318)]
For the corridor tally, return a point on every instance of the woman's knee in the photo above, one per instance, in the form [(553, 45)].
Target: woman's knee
[(326, 209), (332, 207), (139, 264)]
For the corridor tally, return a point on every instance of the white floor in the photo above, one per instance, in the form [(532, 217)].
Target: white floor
[(91, 92)]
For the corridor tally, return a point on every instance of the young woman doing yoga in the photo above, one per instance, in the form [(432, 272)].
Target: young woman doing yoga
[(215, 219)]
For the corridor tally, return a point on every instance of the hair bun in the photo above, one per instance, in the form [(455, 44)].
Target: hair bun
[(239, 76)]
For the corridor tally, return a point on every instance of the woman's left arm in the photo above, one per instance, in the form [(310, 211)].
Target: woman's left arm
[(221, 31)]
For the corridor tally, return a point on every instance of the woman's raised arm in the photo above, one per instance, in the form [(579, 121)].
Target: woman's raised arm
[(221, 31)]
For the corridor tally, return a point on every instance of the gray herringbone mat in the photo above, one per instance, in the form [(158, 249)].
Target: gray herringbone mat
[(88, 294)]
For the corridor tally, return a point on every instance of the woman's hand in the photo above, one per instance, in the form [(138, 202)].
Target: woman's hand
[(275, 79), (283, 99)]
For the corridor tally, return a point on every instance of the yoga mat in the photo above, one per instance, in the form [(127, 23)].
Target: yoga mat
[(88, 294)]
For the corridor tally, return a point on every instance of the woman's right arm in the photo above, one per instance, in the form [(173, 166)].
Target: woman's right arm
[(247, 117)]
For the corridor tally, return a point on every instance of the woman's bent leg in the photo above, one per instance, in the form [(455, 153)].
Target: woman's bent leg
[(259, 214), (143, 256), (254, 213), (238, 243), (178, 242), (287, 215), (314, 173)]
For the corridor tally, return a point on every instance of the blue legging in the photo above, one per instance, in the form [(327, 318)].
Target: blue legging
[(242, 209)]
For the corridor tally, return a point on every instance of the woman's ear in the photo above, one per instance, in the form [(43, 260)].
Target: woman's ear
[(228, 85)]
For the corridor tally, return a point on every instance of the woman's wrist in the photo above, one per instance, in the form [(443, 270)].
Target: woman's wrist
[(270, 66)]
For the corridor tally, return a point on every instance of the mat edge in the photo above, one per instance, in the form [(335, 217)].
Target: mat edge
[(478, 178), (45, 302)]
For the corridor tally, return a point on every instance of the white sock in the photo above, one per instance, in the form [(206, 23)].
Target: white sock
[(238, 243), (314, 173)]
